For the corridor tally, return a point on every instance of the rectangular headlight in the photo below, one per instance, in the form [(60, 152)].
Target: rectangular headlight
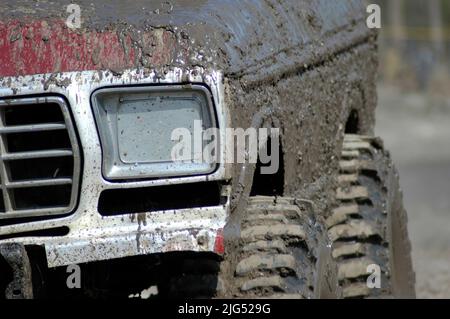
[(136, 124)]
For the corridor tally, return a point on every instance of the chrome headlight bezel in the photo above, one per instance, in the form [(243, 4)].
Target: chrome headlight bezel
[(113, 168)]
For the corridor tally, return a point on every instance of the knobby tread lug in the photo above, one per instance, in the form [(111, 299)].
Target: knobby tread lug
[(354, 229), (354, 290), (274, 218), (266, 246), (259, 262), (341, 214), (352, 193), (352, 249), (275, 282), (347, 179), (354, 268), (260, 232)]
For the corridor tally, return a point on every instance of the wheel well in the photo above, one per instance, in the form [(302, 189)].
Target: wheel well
[(5, 278), (269, 184), (352, 125)]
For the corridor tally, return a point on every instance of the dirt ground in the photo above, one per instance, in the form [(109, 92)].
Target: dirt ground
[(417, 131)]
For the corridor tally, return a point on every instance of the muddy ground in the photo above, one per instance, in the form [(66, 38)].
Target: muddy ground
[(417, 130)]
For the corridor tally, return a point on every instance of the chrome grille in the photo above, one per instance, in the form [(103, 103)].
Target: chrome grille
[(39, 158)]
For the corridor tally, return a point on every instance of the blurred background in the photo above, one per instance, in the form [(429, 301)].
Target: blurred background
[(414, 119)]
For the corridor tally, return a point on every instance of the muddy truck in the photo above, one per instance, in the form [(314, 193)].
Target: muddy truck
[(95, 99)]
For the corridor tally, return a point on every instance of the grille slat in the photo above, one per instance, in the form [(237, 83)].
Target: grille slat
[(23, 213), (37, 183), (36, 154), (32, 128), (39, 158)]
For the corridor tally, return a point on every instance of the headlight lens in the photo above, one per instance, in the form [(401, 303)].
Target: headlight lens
[(136, 124)]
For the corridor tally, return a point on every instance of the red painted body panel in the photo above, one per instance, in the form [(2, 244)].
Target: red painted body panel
[(39, 47)]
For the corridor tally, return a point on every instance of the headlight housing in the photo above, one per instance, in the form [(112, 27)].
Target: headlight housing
[(135, 125)]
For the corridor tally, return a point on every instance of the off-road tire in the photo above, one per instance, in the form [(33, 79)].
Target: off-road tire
[(369, 224), (283, 251)]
